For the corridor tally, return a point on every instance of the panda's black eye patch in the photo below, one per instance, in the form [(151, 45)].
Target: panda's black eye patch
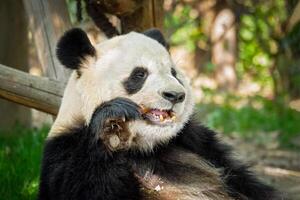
[(136, 80), (174, 73)]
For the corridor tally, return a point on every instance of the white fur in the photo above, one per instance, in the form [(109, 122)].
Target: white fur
[(102, 77)]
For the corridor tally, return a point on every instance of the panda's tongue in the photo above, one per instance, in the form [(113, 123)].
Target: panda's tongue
[(159, 112)]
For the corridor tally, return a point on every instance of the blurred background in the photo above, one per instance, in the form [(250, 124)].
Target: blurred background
[(243, 59)]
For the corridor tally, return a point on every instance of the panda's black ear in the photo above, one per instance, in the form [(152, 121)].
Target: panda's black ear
[(73, 47), (155, 34)]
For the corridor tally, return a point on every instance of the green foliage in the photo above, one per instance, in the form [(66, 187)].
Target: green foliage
[(257, 39), (184, 27), (72, 7), (258, 35), (250, 121), (72, 10), (20, 158)]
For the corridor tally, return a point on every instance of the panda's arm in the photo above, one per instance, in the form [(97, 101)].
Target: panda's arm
[(238, 178), (78, 165)]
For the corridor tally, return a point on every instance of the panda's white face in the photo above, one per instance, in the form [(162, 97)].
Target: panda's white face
[(138, 68)]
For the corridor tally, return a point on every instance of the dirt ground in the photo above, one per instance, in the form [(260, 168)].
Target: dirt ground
[(280, 168)]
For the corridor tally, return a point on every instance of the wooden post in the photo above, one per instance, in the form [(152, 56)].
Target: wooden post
[(48, 19), (224, 47), (149, 15), (13, 52)]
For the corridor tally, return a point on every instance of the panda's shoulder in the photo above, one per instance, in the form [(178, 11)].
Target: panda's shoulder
[(203, 141), (194, 132), (64, 143)]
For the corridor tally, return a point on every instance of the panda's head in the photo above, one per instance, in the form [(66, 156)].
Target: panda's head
[(136, 66)]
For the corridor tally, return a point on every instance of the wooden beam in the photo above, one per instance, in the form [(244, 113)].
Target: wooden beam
[(41, 93)]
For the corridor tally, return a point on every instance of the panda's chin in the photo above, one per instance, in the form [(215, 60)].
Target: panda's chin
[(147, 136)]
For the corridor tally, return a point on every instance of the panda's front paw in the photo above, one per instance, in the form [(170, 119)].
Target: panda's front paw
[(109, 123), (115, 134)]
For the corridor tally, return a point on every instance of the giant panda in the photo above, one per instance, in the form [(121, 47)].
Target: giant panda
[(126, 130)]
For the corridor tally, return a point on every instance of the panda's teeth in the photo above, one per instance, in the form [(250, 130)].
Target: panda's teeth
[(161, 118), (173, 118)]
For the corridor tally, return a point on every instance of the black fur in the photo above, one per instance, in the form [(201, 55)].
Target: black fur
[(240, 181), (155, 34), (73, 47), (136, 80), (77, 165)]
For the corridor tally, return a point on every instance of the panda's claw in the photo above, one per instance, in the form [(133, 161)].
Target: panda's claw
[(115, 134)]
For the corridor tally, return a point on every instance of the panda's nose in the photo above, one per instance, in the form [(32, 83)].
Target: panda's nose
[(174, 97)]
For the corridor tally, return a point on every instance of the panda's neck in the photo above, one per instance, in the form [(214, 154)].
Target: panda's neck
[(69, 111)]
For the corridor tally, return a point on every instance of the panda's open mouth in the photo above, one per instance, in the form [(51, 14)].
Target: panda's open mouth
[(158, 116)]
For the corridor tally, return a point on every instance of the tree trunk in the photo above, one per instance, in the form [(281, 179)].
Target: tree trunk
[(223, 38), (14, 53), (286, 73)]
